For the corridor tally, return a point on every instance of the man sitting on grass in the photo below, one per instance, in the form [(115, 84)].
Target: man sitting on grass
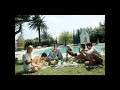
[(54, 56), (43, 60)]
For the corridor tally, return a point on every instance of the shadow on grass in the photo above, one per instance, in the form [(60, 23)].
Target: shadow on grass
[(97, 66), (24, 72), (18, 63)]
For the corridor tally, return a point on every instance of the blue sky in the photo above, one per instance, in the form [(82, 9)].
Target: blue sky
[(59, 23)]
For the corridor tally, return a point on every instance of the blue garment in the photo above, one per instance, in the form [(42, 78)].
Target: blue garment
[(53, 55)]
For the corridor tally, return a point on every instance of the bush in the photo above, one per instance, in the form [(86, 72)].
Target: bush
[(19, 49)]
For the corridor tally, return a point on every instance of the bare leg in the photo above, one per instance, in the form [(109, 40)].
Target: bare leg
[(34, 69)]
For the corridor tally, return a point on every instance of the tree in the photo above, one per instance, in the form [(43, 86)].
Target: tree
[(19, 20), (51, 40), (98, 32), (38, 24), (21, 42), (22, 19), (73, 37), (65, 37), (78, 36), (56, 40), (45, 35), (46, 38)]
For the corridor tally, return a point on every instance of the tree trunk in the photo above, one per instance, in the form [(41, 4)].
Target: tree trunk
[(39, 37), (20, 28), (56, 40), (65, 43)]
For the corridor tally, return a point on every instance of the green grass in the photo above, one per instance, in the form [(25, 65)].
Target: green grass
[(80, 70)]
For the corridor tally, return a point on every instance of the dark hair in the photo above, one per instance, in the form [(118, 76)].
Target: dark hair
[(89, 44), (44, 55), (83, 45)]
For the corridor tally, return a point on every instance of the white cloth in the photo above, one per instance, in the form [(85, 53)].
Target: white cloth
[(26, 57), (93, 51)]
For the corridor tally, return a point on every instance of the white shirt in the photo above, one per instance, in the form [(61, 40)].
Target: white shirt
[(93, 50), (26, 57)]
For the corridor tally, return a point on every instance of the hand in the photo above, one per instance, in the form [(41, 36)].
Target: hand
[(55, 58), (31, 61)]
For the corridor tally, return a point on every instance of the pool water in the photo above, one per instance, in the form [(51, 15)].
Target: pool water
[(47, 51), (75, 49)]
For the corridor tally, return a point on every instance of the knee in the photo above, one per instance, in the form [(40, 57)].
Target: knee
[(86, 63)]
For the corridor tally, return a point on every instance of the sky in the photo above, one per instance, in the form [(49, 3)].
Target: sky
[(59, 23)]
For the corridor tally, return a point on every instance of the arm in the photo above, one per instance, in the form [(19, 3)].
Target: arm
[(66, 55), (26, 62), (70, 52), (26, 59), (90, 51), (45, 63)]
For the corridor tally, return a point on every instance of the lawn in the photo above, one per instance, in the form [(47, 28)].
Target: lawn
[(80, 70)]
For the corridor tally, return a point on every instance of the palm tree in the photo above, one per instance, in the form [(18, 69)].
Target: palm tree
[(38, 24)]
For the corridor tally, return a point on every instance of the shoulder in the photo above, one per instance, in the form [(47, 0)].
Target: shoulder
[(26, 54), (58, 50), (93, 48), (86, 49)]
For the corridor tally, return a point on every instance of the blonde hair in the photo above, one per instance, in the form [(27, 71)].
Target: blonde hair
[(68, 45), (29, 47)]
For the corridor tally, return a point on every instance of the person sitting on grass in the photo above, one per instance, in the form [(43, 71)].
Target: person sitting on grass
[(54, 56), (43, 59), (70, 52), (82, 48), (76, 58), (28, 59), (91, 56)]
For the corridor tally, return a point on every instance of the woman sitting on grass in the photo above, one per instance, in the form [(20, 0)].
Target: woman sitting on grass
[(31, 62), (70, 52), (81, 50)]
